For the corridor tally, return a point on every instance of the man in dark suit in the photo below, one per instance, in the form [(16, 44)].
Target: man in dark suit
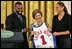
[(16, 22)]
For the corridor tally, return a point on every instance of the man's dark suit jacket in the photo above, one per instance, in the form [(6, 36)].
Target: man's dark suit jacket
[(14, 24)]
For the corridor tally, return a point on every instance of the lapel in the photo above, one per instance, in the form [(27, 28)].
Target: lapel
[(18, 19)]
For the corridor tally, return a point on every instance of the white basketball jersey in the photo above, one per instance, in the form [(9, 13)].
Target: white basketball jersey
[(43, 38)]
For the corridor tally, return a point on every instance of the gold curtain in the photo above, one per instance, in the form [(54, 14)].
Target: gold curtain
[(47, 7)]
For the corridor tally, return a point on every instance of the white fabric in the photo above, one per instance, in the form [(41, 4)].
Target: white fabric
[(48, 38)]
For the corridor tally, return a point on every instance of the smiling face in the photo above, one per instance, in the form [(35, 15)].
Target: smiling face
[(59, 8), (19, 8), (38, 16)]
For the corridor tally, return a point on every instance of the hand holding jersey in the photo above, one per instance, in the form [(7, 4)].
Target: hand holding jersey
[(42, 37), (39, 22)]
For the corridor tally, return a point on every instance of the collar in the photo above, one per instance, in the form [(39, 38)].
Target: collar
[(17, 14), (36, 25)]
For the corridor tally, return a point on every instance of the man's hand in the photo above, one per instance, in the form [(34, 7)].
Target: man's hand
[(32, 33), (26, 29)]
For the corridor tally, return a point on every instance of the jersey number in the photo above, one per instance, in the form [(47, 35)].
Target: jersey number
[(43, 40)]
